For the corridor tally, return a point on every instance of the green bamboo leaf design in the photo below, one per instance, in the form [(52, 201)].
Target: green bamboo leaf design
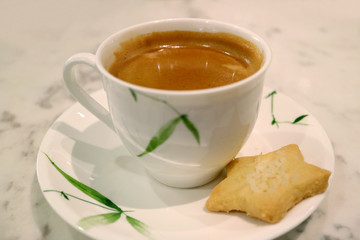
[(165, 132), (98, 220), (133, 94), (273, 121), (191, 127), (78, 198), (138, 226), (298, 119), (64, 195), (161, 136), (271, 94), (86, 189)]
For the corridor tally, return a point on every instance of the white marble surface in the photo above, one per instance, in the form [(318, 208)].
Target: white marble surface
[(316, 61)]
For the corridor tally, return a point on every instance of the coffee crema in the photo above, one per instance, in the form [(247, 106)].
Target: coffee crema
[(185, 60)]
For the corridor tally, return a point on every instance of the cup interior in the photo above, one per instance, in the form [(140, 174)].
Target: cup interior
[(105, 53)]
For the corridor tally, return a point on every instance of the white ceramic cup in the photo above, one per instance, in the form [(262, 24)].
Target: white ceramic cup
[(183, 138)]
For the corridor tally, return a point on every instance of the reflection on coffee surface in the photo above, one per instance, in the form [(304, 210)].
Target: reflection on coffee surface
[(184, 60)]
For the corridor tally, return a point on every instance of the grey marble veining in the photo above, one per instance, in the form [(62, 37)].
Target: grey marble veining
[(316, 61)]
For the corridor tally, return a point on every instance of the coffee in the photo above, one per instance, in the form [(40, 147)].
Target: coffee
[(185, 60)]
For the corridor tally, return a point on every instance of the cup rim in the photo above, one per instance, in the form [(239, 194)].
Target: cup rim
[(264, 45)]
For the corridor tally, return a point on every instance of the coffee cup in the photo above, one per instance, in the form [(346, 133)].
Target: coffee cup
[(183, 138)]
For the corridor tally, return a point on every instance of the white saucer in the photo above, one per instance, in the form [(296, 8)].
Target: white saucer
[(90, 152)]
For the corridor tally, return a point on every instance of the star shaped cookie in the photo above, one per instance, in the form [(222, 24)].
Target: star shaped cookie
[(268, 186)]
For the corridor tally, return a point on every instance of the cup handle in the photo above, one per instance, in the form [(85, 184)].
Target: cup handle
[(79, 93)]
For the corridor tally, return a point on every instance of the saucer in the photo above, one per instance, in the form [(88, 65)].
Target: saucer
[(87, 150)]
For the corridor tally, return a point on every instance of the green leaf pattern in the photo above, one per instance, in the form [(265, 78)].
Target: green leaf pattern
[(100, 219), (133, 94), (276, 122), (191, 127), (161, 136), (64, 195), (298, 119), (86, 189), (168, 128), (97, 220), (138, 225)]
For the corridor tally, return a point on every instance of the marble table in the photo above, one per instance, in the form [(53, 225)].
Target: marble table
[(316, 61)]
